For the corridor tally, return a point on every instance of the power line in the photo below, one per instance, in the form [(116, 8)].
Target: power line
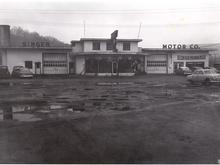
[(110, 11)]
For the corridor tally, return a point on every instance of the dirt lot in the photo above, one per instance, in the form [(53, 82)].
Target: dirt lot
[(145, 119)]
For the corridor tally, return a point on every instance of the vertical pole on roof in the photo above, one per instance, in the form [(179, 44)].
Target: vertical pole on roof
[(84, 27), (139, 30)]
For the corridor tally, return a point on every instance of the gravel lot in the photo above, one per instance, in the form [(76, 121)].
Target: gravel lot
[(143, 119)]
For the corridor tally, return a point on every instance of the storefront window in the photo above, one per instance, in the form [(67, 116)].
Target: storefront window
[(105, 65), (125, 66), (91, 65)]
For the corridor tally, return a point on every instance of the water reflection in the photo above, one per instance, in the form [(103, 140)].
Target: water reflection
[(16, 113), (7, 113)]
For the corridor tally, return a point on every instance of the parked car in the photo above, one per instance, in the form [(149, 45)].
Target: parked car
[(214, 69), (196, 68), (22, 72), (204, 76), (183, 71), (4, 72)]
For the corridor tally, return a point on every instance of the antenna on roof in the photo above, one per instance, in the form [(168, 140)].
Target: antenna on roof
[(84, 28), (139, 30)]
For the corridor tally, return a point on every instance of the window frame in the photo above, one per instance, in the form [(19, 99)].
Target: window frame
[(109, 45), (94, 45), (127, 46), (28, 64)]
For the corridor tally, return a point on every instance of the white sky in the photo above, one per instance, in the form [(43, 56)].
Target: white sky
[(162, 21)]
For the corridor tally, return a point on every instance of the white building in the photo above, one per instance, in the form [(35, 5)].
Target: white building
[(97, 56)]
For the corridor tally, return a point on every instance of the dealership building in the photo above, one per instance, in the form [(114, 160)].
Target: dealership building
[(39, 57), (97, 56)]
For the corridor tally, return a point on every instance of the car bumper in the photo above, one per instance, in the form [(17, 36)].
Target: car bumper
[(26, 76)]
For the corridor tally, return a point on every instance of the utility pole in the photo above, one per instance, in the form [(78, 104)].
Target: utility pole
[(139, 31), (84, 28)]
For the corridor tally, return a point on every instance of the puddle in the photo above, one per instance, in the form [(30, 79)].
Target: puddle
[(44, 111), (113, 83), (6, 84), (88, 89), (27, 83), (123, 108), (16, 113), (56, 107), (159, 85), (98, 99), (77, 106), (25, 117)]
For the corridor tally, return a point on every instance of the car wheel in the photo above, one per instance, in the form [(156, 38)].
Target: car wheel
[(191, 82), (207, 82)]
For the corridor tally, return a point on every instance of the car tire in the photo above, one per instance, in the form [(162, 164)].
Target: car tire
[(207, 82), (191, 82)]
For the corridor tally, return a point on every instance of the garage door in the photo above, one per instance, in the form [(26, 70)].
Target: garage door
[(156, 64), (55, 63)]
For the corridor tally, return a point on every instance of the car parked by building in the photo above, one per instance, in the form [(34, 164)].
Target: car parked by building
[(183, 71), (204, 76), (22, 72), (4, 72)]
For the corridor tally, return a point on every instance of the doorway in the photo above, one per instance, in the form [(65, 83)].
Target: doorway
[(37, 67), (114, 68), (177, 65)]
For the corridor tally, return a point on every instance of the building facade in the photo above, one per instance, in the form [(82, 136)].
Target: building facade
[(39, 57), (165, 61), (97, 56)]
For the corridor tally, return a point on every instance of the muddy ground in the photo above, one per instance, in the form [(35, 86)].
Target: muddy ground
[(145, 119)]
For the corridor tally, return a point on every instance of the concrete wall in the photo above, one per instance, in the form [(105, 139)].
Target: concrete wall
[(17, 57), (78, 47), (80, 65), (87, 47), (134, 47)]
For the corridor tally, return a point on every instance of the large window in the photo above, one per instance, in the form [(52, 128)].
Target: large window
[(91, 65), (96, 45), (28, 64), (156, 63), (126, 46)]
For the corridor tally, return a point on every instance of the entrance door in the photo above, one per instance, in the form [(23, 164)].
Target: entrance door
[(177, 65), (37, 67), (114, 68), (72, 67)]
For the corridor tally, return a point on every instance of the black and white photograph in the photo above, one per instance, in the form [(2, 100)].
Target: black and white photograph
[(109, 82)]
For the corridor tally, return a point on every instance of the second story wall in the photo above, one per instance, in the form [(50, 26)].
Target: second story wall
[(88, 46), (133, 47)]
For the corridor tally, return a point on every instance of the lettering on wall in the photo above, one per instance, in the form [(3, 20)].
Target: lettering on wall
[(36, 44), (201, 57), (180, 46)]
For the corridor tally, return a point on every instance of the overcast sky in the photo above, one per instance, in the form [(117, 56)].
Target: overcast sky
[(162, 21)]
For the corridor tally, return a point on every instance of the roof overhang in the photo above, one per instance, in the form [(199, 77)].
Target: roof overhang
[(107, 39)]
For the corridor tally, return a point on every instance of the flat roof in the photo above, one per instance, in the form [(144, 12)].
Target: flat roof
[(105, 53), (174, 50), (39, 48), (106, 39)]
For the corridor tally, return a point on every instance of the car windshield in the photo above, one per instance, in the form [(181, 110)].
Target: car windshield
[(209, 72)]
